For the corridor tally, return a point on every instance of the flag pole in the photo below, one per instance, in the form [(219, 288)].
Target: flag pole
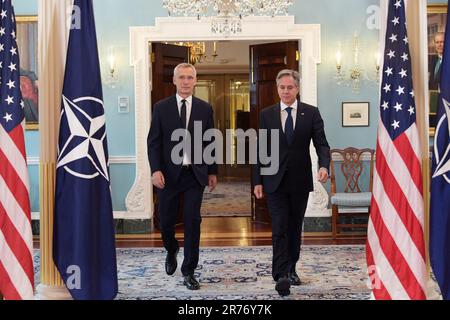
[(52, 34), (417, 31)]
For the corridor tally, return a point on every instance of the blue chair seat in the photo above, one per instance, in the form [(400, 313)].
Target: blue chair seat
[(348, 166), (358, 199)]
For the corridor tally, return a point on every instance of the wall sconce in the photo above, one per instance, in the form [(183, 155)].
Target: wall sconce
[(111, 77), (352, 74), (377, 65)]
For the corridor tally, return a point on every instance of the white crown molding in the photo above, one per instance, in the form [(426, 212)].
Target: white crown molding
[(139, 198)]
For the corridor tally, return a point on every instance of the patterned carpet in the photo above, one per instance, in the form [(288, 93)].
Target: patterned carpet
[(229, 199), (327, 272)]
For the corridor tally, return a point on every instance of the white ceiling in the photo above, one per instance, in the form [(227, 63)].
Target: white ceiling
[(233, 57)]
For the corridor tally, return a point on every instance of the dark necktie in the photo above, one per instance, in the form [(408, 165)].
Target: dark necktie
[(436, 68), (183, 113), (289, 126)]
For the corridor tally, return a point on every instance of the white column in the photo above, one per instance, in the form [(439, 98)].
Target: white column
[(418, 45), (54, 16)]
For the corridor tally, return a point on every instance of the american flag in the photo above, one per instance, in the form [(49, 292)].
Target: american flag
[(16, 240), (395, 248), (440, 182)]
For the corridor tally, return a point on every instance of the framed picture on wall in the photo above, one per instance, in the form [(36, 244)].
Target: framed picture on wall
[(436, 22), (27, 42), (355, 114)]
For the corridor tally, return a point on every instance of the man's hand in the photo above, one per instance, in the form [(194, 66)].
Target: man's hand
[(258, 191), (212, 182), (158, 179), (322, 176)]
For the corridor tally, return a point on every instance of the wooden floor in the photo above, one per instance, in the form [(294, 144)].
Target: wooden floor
[(234, 231), (229, 231)]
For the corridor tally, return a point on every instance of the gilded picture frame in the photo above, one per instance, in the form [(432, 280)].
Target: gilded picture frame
[(436, 22), (27, 42)]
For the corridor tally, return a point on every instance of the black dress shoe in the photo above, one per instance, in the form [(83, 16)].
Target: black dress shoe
[(171, 262), (282, 286), (190, 282), (294, 279)]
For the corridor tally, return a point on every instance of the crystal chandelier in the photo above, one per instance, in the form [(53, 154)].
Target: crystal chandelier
[(226, 15), (197, 51)]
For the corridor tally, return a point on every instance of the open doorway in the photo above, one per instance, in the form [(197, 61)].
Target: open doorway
[(139, 201), (229, 95), (238, 79), (224, 72)]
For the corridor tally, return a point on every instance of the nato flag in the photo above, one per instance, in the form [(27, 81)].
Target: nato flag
[(83, 240), (440, 183)]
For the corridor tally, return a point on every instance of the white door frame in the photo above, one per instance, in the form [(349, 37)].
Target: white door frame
[(139, 199)]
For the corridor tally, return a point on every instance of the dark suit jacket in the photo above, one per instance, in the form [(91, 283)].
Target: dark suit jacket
[(294, 158), (166, 119), (435, 77)]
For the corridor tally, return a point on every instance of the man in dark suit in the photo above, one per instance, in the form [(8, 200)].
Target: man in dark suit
[(174, 174), (435, 61), (288, 189), (434, 71), (29, 89)]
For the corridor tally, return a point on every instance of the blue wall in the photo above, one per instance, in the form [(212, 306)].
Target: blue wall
[(339, 19)]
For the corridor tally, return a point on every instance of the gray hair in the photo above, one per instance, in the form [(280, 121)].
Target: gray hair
[(439, 33), (184, 65), (289, 73)]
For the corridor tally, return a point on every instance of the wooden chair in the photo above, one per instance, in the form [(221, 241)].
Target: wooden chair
[(352, 196)]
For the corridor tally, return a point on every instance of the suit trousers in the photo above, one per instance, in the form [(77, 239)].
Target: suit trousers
[(287, 206), (168, 204)]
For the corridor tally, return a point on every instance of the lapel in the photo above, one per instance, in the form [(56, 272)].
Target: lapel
[(193, 116), (175, 113), (277, 118), (299, 119)]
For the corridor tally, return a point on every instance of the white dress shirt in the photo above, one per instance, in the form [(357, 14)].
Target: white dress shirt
[(186, 160), (284, 113)]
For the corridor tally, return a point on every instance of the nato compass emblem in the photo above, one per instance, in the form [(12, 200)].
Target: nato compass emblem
[(443, 163), (82, 144)]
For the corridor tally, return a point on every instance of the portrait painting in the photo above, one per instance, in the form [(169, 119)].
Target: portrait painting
[(27, 41), (436, 22)]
